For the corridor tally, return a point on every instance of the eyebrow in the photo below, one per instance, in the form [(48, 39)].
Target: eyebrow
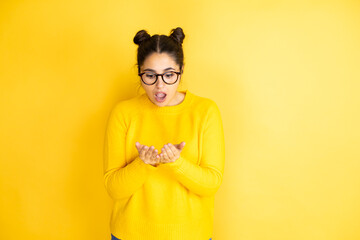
[(149, 69)]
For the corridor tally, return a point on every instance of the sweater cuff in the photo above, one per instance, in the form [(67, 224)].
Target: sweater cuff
[(140, 163), (175, 165)]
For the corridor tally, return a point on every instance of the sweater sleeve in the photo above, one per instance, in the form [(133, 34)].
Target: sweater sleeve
[(204, 179), (121, 180)]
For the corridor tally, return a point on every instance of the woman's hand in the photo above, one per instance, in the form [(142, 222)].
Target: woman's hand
[(148, 154), (170, 153)]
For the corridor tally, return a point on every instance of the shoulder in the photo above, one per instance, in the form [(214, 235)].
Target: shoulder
[(209, 111), (204, 104), (125, 107)]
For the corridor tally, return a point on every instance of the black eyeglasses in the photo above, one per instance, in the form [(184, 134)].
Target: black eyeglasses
[(150, 78)]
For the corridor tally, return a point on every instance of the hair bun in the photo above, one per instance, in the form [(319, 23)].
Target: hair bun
[(178, 35), (141, 36)]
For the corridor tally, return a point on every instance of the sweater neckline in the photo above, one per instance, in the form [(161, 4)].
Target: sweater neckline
[(167, 109)]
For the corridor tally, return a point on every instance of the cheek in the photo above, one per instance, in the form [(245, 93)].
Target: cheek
[(150, 93), (173, 93), (147, 88)]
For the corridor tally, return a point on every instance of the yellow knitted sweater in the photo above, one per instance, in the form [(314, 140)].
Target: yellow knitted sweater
[(172, 201)]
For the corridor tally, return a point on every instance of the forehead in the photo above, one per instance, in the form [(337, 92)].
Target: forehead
[(159, 62)]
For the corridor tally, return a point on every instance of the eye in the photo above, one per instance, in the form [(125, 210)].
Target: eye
[(169, 74), (150, 75)]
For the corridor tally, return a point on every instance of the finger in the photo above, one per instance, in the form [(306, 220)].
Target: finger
[(149, 151), (169, 151), (175, 151), (154, 154), (182, 145), (155, 159), (158, 159), (142, 152), (163, 156), (138, 146), (161, 159)]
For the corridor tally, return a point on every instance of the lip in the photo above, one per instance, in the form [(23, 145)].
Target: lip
[(160, 92), (160, 101)]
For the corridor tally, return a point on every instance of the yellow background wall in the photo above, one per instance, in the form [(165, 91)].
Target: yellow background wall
[(285, 75)]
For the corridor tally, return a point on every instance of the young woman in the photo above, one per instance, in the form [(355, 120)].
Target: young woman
[(161, 188)]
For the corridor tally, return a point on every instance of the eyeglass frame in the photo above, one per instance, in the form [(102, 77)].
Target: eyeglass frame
[(162, 77)]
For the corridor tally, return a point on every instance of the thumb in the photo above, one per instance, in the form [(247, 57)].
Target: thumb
[(138, 146), (181, 145)]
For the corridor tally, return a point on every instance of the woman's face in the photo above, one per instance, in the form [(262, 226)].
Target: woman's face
[(159, 63)]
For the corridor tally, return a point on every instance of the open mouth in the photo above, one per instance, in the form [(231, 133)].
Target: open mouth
[(160, 97)]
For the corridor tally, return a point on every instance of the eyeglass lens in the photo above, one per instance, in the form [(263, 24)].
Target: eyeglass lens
[(168, 77)]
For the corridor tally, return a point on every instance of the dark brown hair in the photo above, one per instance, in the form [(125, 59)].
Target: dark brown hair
[(171, 44)]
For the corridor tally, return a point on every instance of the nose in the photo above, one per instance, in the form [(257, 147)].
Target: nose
[(159, 83)]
